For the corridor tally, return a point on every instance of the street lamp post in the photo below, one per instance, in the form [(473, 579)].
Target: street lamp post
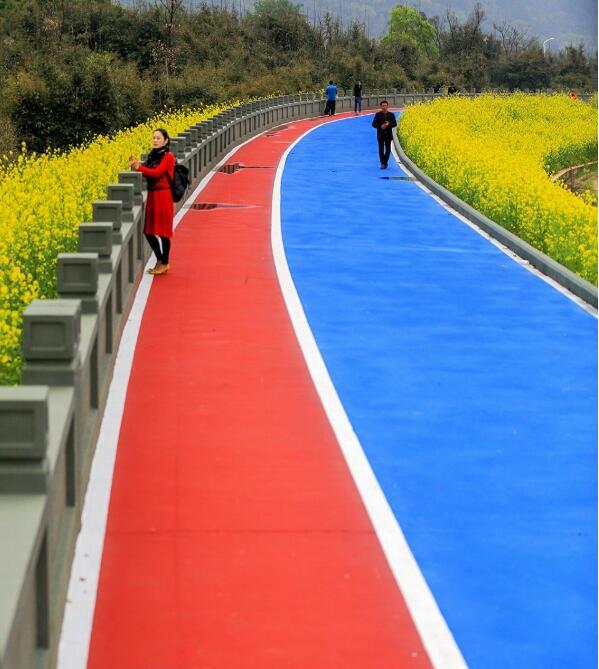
[(546, 42)]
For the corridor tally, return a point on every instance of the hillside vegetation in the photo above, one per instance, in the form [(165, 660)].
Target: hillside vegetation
[(71, 69)]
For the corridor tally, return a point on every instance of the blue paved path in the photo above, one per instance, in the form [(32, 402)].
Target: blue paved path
[(471, 385)]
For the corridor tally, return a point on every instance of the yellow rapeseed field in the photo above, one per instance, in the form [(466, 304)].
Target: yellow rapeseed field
[(497, 153), (43, 199)]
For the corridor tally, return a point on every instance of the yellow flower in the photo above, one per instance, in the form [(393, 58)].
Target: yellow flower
[(497, 153), (43, 199)]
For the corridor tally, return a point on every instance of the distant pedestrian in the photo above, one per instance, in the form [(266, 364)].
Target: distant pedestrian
[(451, 89), (331, 93), (384, 121), (358, 97), (159, 170), (572, 95)]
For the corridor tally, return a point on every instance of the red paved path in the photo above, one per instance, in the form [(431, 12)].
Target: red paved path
[(236, 537)]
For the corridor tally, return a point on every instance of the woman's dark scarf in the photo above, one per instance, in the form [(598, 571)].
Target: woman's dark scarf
[(153, 160), (155, 156)]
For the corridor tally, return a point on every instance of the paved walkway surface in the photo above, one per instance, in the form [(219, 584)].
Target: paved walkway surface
[(240, 530), (235, 536), (472, 386)]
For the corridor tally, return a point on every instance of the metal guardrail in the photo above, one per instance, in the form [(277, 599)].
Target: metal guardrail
[(49, 424), (583, 289)]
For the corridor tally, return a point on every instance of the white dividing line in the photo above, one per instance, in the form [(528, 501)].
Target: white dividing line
[(508, 252), (83, 585), (434, 632)]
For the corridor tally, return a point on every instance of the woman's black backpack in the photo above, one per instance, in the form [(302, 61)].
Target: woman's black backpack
[(180, 182)]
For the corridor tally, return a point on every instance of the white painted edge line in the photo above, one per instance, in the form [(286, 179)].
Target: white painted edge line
[(434, 632), (508, 252), (78, 619)]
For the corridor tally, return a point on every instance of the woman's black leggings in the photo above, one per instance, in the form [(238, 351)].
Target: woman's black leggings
[(161, 254)]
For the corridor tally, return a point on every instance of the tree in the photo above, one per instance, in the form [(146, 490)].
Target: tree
[(512, 39), (408, 26), (467, 37), (281, 27), (172, 10), (524, 70), (280, 9)]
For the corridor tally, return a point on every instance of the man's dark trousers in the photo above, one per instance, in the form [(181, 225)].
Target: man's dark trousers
[(329, 108), (384, 149)]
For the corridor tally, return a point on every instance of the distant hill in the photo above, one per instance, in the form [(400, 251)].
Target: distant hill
[(569, 21)]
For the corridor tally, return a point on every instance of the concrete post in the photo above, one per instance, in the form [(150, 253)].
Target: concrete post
[(109, 211), (51, 330), (186, 136), (205, 129), (23, 439), (178, 147), (136, 180), (124, 193), (97, 238), (77, 275)]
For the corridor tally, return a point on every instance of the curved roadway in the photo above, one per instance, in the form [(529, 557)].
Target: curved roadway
[(239, 536)]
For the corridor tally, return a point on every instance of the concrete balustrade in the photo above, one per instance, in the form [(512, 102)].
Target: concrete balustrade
[(49, 424)]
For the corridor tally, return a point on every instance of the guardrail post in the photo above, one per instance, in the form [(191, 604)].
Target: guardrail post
[(134, 247), (109, 211), (77, 277), (186, 137), (207, 127), (178, 147), (134, 179), (23, 439), (124, 193), (50, 341), (197, 162), (97, 238)]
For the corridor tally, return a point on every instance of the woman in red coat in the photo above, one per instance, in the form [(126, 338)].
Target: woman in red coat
[(158, 169)]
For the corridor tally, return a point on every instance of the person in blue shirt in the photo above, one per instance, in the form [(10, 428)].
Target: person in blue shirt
[(331, 93)]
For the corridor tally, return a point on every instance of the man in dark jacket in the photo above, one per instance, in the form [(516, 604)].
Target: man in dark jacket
[(384, 121), (358, 97)]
